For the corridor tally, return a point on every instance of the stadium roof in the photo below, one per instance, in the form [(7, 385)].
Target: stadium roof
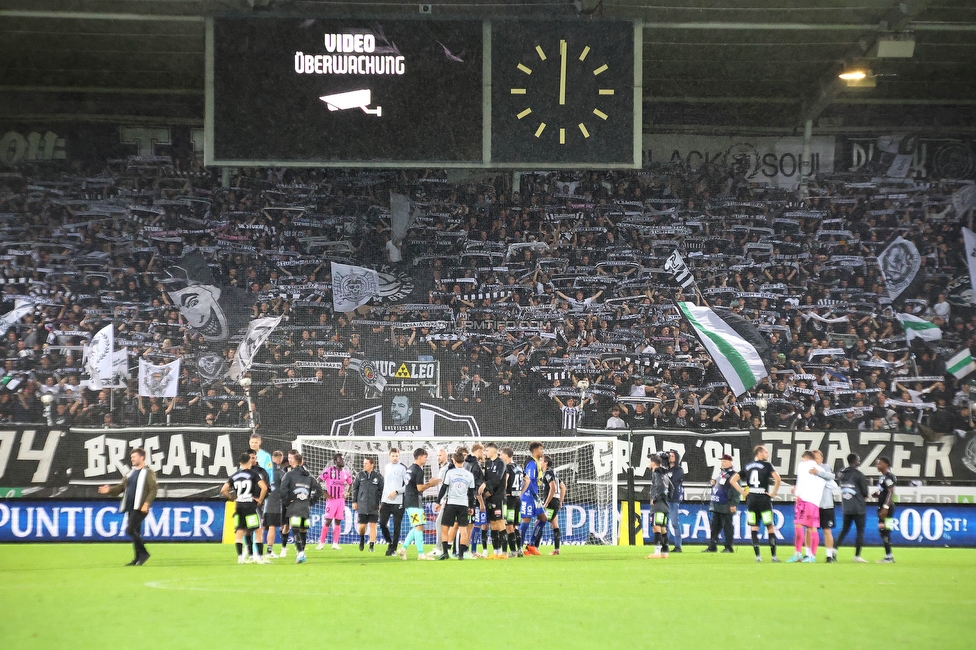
[(708, 65)]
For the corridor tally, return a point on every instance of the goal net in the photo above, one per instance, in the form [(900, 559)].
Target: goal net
[(588, 466)]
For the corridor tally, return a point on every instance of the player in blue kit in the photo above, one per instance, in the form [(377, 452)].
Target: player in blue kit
[(530, 495)]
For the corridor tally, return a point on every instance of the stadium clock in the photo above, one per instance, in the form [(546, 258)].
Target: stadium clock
[(563, 93)]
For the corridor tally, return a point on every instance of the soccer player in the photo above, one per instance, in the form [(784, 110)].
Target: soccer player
[(886, 506), (255, 541), (336, 480), (444, 463), (458, 488), (853, 493), (530, 505), (367, 490), (472, 463), (394, 481), (272, 505), (806, 509), (414, 503), (285, 525), (759, 502), (826, 505), (250, 491), (493, 495), (299, 492), (513, 494), (660, 487), (551, 500)]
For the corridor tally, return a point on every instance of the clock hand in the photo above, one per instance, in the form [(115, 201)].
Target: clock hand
[(562, 73)]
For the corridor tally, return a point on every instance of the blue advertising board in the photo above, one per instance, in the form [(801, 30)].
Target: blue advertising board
[(915, 525), (101, 521)]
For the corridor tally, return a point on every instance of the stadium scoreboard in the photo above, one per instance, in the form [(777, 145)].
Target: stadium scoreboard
[(284, 91)]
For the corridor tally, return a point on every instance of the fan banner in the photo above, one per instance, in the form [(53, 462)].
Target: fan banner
[(159, 381)]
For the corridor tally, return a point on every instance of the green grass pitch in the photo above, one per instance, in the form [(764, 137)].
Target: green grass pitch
[(196, 596)]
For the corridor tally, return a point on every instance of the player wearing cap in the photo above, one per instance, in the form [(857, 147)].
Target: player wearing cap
[(886, 506), (722, 506), (512, 507), (660, 487), (759, 503), (457, 490), (336, 480), (249, 492)]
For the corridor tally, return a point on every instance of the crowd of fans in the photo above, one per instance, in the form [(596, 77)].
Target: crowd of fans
[(521, 285)]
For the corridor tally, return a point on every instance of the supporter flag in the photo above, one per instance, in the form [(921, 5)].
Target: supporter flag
[(899, 264), (99, 359), (403, 213), (961, 363), (916, 327), (969, 239), (8, 320), (158, 381), (353, 286), (737, 347), (370, 375), (258, 332), (120, 369), (680, 271), (213, 311), (964, 199)]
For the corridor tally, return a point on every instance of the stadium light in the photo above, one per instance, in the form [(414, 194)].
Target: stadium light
[(852, 75)]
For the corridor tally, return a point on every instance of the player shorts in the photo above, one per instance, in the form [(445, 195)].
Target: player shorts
[(335, 509), (454, 514), (369, 518), (246, 519), (298, 522), (887, 522), (416, 516), (511, 509), (806, 514), (272, 519), (826, 517), (553, 509), (659, 518), (494, 508), (479, 518), (530, 507), (759, 508)]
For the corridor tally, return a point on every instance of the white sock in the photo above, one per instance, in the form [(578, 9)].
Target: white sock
[(657, 548)]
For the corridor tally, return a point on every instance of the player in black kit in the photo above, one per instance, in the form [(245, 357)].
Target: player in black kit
[(493, 493), (250, 490), (886, 506), (759, 500), (513, 500)]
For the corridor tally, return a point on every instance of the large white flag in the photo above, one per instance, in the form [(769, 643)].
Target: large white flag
[(964, 199), (402, 215), (679, 270), (899, 264), (353, 286), (258, 331), (916, 327), (99, 358), (969, 239), (739, 361), (8, 320), (159, 381)]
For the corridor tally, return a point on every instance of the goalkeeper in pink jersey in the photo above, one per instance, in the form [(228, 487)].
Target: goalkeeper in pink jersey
[(335, 480)]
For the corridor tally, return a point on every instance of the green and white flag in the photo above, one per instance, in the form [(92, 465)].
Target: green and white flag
[(738, 359), (916, 327), (961, 363)]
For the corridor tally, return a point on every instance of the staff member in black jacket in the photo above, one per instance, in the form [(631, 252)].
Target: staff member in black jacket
[(367, 491), (724, 500), (853, 493)]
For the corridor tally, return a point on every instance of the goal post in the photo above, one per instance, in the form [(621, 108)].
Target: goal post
[(589, 466)]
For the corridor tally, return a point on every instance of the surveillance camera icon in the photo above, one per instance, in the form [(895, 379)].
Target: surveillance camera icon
[(352, 99)]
